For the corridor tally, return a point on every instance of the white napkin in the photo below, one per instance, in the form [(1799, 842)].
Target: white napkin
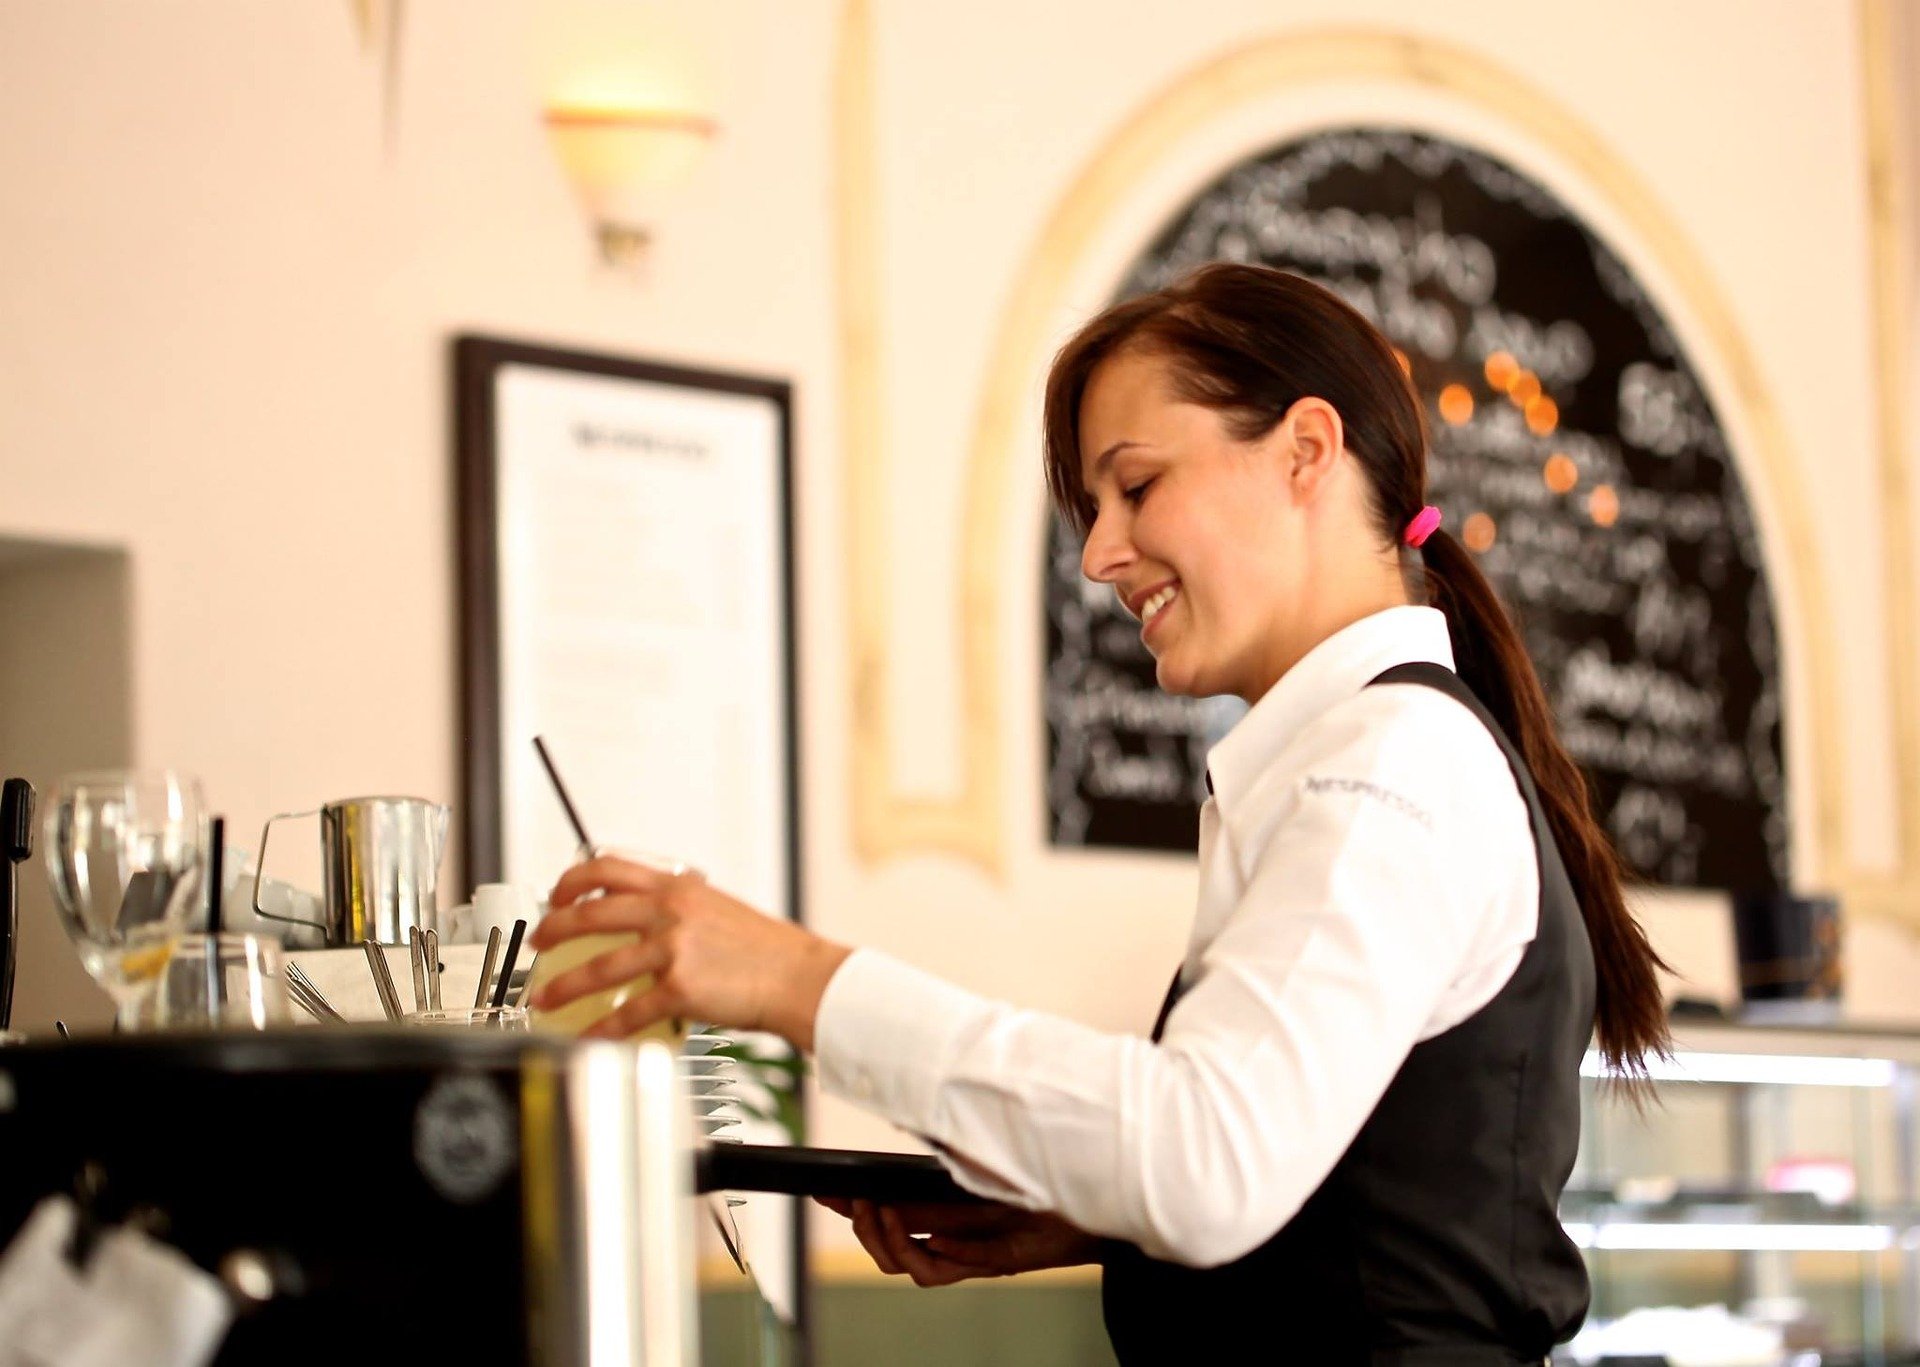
[(137, 1303)]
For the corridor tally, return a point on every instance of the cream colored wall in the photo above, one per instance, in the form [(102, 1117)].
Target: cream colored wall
[(231, 276)]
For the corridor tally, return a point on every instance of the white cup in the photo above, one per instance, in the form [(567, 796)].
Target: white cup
[(494, 904)]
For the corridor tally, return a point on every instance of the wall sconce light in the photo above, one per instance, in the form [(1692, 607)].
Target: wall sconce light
[(619, 160)]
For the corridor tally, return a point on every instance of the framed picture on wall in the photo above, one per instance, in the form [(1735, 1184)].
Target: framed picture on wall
[(626, 592)]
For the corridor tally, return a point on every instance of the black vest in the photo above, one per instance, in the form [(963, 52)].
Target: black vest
[(1435, 1241)]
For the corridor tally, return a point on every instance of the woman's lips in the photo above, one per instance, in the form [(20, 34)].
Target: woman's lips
[(1157, 607)]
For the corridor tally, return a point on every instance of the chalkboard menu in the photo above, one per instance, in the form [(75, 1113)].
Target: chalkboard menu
[(1574, 451)]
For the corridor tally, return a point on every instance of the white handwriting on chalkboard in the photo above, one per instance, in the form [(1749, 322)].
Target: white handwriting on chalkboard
[(1634, 690), (1103, 700), (1337, 240), (1659, 409), (1560, 352), (1156, 776)]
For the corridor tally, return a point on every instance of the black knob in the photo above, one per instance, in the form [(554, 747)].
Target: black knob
[(16, 820)]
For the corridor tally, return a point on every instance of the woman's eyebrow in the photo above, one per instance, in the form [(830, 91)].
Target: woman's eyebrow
[(1100, 461)]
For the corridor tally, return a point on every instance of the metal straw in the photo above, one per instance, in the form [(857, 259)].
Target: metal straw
[(430, 945), (418, 950), (383, 981), (566, 803), (487, 966)]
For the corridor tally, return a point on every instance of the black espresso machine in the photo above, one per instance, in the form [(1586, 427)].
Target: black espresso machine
[(381, 1196)]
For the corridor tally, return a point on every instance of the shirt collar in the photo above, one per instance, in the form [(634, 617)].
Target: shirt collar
[(1331, 672)]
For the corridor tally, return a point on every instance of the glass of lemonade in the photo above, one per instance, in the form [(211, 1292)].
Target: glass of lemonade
[(581, 1014)]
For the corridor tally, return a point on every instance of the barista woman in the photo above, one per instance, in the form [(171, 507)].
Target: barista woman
[(1347, 1137)]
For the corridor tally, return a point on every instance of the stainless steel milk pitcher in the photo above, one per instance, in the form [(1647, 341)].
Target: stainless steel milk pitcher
[(382, 862)]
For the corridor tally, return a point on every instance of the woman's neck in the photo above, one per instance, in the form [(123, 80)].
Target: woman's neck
[(1357, 598)]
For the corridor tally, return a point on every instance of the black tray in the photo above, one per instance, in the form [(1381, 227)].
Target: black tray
[(891, 1178)]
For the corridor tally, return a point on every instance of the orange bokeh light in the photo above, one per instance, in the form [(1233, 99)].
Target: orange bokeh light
[(1543, 415), (1479, 533), (1561, 473), (1524, 387), (1603, 505), (1456, 404), (1501, 368)]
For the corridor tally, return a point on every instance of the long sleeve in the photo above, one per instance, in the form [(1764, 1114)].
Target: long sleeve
[(1358, 912)]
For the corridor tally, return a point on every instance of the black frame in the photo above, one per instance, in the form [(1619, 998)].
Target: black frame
[(476, 363)]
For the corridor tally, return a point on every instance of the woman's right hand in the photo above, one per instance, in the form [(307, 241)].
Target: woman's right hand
[(958, 1242)]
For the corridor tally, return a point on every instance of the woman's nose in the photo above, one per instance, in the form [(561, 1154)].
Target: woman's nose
[(1105, 553)]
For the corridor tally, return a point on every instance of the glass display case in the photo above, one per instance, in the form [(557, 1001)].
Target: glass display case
[(1758, 1206)]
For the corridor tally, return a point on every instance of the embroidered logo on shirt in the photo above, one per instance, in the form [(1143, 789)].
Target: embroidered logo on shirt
[(1319, 784)]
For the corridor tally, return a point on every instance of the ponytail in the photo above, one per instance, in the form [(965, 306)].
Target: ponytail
[(1250, 342), (1629, 1016)]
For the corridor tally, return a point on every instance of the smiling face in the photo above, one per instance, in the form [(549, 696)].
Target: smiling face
[(1238, 556)]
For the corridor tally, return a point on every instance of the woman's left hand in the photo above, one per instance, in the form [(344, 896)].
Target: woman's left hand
[(938, 1245), (712, 957)]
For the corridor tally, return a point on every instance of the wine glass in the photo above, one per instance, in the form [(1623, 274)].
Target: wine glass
[(125, 852)]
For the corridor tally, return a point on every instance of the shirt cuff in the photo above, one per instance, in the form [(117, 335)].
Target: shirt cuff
[(885, 1035)]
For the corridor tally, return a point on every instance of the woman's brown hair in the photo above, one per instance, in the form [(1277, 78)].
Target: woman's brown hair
[(1250, 342)]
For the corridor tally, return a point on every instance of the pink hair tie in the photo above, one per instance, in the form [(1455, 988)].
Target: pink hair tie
[(1421, 527)]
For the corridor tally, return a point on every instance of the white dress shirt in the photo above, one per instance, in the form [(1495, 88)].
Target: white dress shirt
[(1367, 881)]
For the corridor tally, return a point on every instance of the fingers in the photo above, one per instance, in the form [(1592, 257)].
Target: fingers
[(866, 1228), (636, 1014), (970, 1251), (883, 1233), (621, 964), (983, 1221), (926, 1267), (605, 873), (600, 916), (950, 1220)]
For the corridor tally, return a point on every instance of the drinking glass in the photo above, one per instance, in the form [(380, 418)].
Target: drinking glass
[(509, 1018), (227, 981), (124, 855)]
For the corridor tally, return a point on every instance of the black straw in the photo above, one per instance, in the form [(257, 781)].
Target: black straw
[(560, 791), (506, 967), (16, 844), (214, 986)]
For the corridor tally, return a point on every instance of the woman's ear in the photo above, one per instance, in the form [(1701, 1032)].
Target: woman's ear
[(1313, 438)]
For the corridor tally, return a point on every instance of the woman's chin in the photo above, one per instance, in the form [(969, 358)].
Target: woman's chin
[(1174, 678)]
